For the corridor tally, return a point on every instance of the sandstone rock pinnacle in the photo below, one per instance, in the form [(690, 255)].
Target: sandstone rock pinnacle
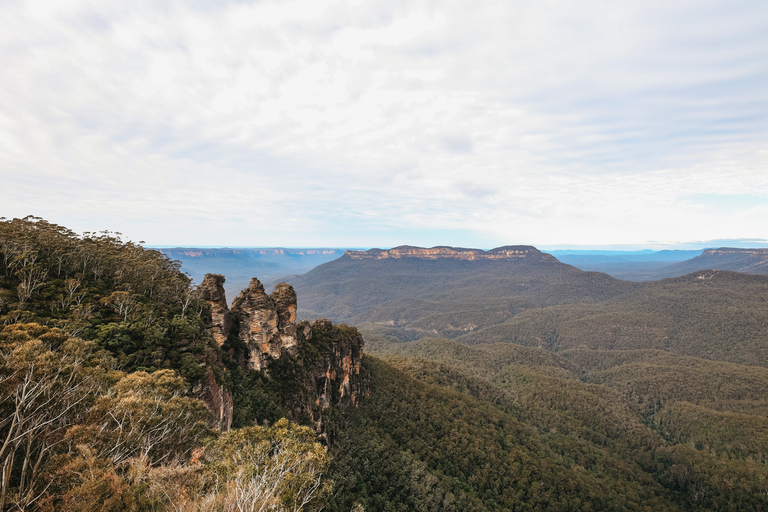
[(212, 290), (267, 324)]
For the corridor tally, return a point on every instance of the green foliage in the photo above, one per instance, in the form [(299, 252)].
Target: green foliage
[(144, 416), (134, 302), (403, 448), (613, 396), (47, 381), (422, 446), (80, 436), (282, 467)]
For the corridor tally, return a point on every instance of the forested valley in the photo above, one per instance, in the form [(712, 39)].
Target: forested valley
[(575, 391)]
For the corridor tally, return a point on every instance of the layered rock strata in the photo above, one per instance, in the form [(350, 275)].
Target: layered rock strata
[(266, 323), (509, 252), (334, 377), (329, 355), (212, 290)]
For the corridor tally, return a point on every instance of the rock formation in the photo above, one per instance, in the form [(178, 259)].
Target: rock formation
[(212, 290), (333, 377), (217, 398), (509, 252), (266, 323), (328, 356), (209, 390)]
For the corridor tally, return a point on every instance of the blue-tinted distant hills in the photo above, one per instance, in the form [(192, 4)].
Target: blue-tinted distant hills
[(643, 265), (274, 264), (654, 265), (240, 264), (595, 256)]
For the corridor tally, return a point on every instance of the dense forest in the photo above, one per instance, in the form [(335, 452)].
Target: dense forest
[(654, 393), (106, 351)]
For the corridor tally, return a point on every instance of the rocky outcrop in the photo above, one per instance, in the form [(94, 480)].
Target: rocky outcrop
[(208, 389), (212, 290), (509, 252), (266, 323), (326, 358), (330, 360), (333, 376), (217, 398)]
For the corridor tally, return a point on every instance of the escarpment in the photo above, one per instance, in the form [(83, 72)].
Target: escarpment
[(322, 360), (217, 398), (508, 252)]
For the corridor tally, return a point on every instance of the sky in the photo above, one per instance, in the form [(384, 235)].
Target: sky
[(379, 123)]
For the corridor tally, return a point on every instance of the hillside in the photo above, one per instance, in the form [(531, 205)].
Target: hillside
[(537, 301), (444, 433), (394, 290), (748, 261), (652, 266)]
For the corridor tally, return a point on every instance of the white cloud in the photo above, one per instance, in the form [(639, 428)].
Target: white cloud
[(302, 122)]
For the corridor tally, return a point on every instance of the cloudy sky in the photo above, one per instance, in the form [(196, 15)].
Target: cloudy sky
[(380, 123)]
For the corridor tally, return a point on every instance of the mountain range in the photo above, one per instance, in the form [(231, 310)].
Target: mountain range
[(532, 299), (274, 264)]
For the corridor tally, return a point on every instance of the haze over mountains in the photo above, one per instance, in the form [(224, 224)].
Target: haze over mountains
[(641, 265), (242, 263), (275, 264), (652, 265)]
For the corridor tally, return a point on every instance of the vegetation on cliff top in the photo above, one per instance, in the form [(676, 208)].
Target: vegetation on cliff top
[(101, 343)]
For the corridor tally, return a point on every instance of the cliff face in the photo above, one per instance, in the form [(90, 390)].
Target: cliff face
[(217, 398), (333, 374), (750, 261), (209, 390), (212, 290), (266, 323), (326, 357), (509, 252), (761, 253)]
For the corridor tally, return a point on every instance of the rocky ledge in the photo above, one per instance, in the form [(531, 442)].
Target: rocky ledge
[(508, 252), (762, 253)]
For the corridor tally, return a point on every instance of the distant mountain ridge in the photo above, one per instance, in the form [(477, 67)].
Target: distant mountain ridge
[(254, 251), (539, 301), (239, 264), (507, 252), (652, 266), (748, 261), (358, 284)]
